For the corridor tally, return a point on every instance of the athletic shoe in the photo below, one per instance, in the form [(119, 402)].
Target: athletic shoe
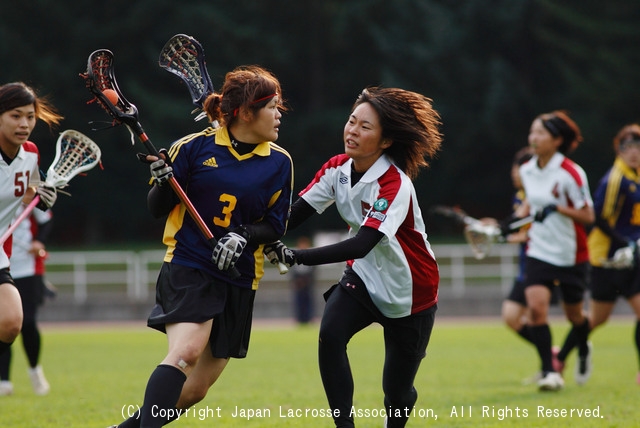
[(533, 379), (584, 366), (552, 381), (558, 366), (38, 381), (6, 388)]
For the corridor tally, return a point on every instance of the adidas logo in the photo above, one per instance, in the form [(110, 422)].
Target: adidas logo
[(211, 162)]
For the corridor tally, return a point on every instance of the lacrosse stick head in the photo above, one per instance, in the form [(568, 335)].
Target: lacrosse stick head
[(183, 56), (481, 237), (75, 153), (99, 77)]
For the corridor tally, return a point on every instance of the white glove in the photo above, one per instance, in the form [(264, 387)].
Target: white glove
[(228, 250), (161, 171), (48, 195), (623, 258)]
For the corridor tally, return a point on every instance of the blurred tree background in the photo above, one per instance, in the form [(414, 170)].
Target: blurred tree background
[(489, 65)]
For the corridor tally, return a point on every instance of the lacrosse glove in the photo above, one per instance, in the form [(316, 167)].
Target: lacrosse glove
[(624, 258), (281, 252), (48, 195), (542, 214), (161, 170), (228, 250)]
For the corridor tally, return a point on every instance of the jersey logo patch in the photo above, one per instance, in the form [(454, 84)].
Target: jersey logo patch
[(343, 179), (381, 204), (377, 215), (211, 162)]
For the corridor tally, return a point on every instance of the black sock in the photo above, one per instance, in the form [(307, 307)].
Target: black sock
[(162, 394), (31, 342), (541, 335), (583, 331), (525, 333), (570, 342), (4, 346), (5, 364), (577, 337)]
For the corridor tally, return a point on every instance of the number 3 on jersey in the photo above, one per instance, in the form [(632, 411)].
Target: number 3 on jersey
[(230, 204)]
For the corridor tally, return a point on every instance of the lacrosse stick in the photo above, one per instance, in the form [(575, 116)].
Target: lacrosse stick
[(100, 77), (75, 153), (183, 56), (479, 235)]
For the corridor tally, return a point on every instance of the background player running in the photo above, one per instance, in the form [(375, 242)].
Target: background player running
[(391, 276), (557, 256), (20, 108), (613, 243)]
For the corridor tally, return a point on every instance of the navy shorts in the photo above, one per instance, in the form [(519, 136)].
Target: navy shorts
[(572, 280), (608, 284), (185, 294)]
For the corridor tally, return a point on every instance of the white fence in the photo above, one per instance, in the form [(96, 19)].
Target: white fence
[(89, 274)]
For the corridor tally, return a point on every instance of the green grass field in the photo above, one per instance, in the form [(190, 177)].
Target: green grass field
[(471, 377)]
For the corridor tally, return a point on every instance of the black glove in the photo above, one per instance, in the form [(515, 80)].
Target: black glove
[(281, 252), (228, 250), (542, 214), (48, 195)]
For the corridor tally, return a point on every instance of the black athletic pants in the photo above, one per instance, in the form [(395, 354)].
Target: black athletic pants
[(406, 339)]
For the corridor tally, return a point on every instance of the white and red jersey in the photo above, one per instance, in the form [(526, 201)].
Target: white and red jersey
[(23, 262), (15, 178), (558, 239), (401, 273)]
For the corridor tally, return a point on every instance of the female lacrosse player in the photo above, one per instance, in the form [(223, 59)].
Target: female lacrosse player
[(240, 182), (27, 269), (558, 194), (392, 275), (514, 306), (613, 242), (20, 108)]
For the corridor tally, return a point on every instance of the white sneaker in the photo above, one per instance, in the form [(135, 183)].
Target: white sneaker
[(584, 366), (551, 382), (6, 388), (38, 381)]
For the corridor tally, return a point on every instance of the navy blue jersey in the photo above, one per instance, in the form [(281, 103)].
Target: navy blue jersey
[(228, 190), (616, 200)]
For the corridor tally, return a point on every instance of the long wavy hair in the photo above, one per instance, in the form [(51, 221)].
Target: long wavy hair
[(409, 120)]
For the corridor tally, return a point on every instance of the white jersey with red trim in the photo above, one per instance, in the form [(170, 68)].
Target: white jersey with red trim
[(23, 262), (401, 273), (15, 178), (558, 239)]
